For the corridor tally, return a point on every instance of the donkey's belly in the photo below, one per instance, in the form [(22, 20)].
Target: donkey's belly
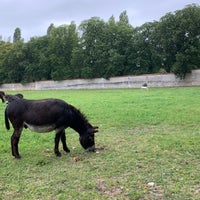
[(41, 128)]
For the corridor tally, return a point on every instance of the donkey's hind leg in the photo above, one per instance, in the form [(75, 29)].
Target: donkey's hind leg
[(14, 142), (63, 139), (57, 140)]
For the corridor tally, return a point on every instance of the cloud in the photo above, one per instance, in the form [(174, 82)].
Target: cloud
[(34, 17)]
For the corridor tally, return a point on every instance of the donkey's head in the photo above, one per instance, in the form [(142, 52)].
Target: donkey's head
[(8, 98), (2, 96), (87, 138)]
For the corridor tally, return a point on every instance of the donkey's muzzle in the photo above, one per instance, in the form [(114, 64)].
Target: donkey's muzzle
[(90, 149)]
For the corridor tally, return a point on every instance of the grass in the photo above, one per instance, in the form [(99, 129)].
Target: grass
[(148, 149)]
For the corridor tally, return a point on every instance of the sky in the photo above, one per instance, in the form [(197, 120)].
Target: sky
[(33, 17)]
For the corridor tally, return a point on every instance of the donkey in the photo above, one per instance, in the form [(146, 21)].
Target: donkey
[(46, 115)]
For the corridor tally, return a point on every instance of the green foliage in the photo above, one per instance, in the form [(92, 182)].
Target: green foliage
[(144, 136), (12, 64), (181, 41), (17, 35), (104, 49)]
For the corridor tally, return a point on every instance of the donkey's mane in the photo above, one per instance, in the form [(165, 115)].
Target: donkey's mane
[(79, 115)]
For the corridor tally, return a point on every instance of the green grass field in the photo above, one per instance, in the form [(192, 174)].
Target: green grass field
[(149, 148)]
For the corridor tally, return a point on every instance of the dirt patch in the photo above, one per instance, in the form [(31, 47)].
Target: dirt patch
[(99, 149), (111, 192)]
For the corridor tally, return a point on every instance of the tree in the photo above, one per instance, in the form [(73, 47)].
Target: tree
[(179, 40), (187, 38), (62, 41), (93, 46), (165, 33), (77, 61), (143, 54), (17, 35), (105, 49), (122, 33), (37, 60), (13, 63), (50, 29), (5, 47), (123, 18)]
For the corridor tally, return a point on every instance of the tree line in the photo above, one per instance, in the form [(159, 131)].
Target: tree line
[(105, 49)]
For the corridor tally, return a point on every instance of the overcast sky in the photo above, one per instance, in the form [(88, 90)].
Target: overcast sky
[(33, 17)]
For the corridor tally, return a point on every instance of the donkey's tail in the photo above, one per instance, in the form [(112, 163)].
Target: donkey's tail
[(6, 120)]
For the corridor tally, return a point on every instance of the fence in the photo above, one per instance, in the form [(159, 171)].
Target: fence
[(159, 80)]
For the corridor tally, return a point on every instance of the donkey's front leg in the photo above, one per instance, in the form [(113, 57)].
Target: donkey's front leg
[(14, 142), (63, 139)]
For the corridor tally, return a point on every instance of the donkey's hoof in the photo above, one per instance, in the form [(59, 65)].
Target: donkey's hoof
[(17, 156), (58, 154), (67, 151)]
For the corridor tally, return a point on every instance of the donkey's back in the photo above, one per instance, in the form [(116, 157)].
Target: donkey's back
[(49, 113)]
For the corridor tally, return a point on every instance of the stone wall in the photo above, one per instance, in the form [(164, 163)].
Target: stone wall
[(159, 80)]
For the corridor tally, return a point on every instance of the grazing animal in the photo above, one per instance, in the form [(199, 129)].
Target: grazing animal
[(46, 115)]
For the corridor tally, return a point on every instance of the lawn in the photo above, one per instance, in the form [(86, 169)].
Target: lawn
[(148, 148)]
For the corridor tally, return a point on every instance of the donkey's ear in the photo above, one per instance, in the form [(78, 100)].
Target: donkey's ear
[(95, 129), (2, 96), (19, 95)]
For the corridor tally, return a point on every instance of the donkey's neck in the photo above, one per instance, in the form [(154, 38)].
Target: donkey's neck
[(78, 121)]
